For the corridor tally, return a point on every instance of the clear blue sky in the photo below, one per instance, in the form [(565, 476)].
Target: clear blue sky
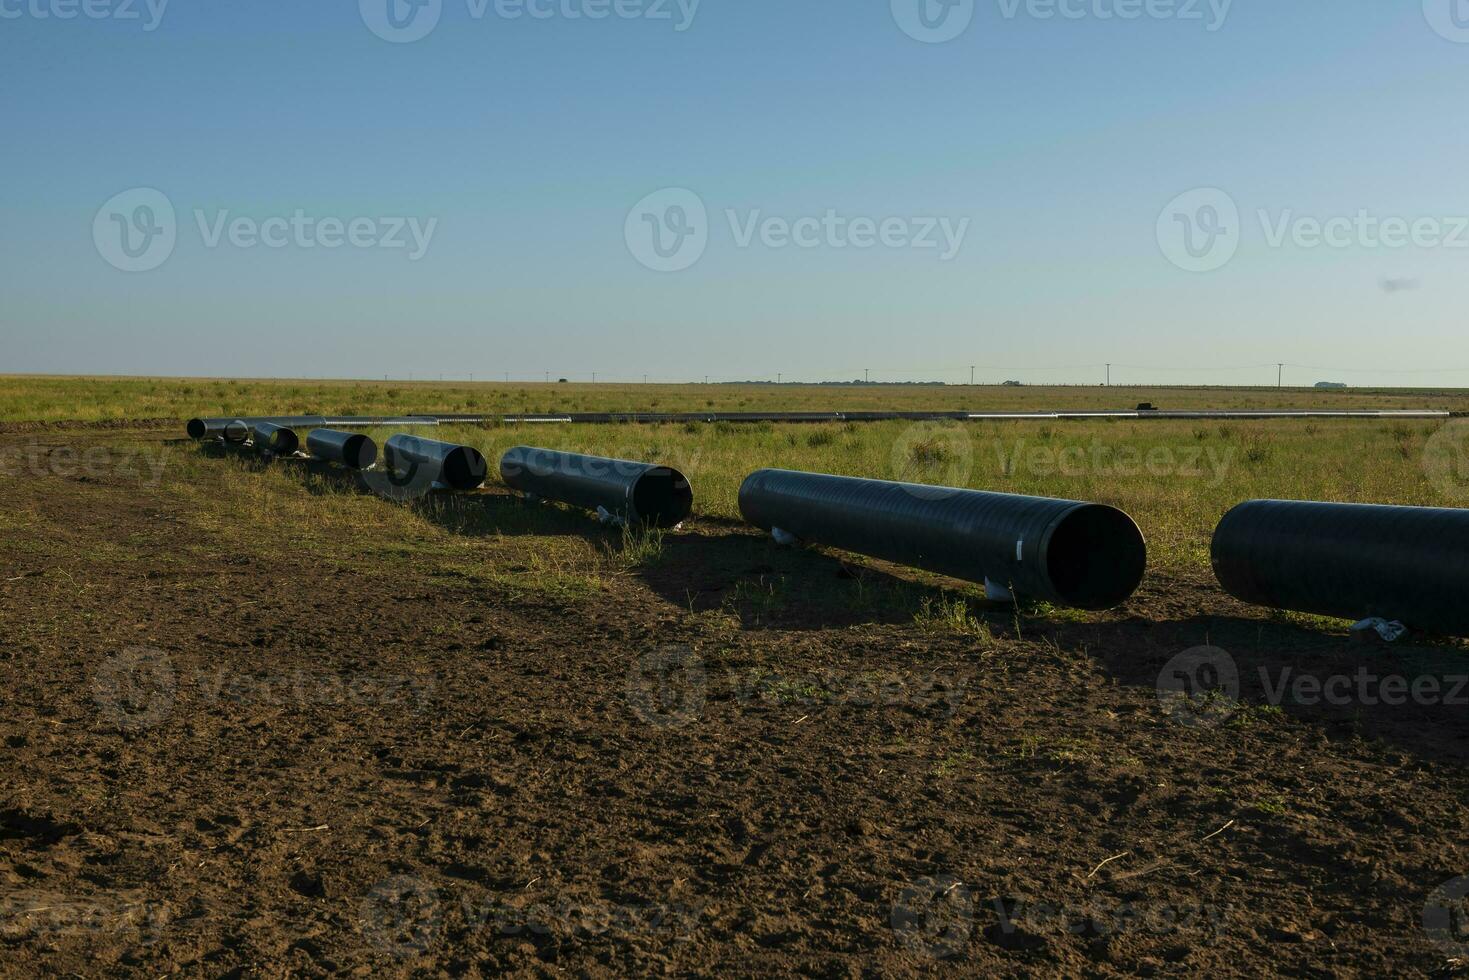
[(529, 141)]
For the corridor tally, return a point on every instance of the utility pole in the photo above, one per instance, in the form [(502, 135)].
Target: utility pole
[(1280, 375), (971, 375), (706, 379), (507, 377), (777, 377), (867, 375), (645, 379), (1109, 375), (548, 377), (594, 377)]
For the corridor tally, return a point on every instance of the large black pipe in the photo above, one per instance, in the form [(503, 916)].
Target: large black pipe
[(350, 449), (275, 439), (236, 432), (639, 493), (1352, 561), (1090, 556), (427, 460)]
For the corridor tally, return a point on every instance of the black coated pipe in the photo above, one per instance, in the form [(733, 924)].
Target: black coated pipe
[(1353, 561), (639, 493), (203, 428), (427, 460), (350, 449), (275, 439), (1090, 556), (236, 432)]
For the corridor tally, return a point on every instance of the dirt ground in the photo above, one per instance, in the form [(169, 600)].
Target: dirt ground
[(229, 755)]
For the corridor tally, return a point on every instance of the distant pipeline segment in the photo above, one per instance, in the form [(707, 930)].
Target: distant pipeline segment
[(203, 428), (637, 493), (207, 428), (1353, 561), (1089, 556)]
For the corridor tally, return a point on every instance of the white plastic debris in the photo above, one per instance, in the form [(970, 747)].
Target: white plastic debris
[(995, 592), (607, 517), (1390, 631), (784, 537)]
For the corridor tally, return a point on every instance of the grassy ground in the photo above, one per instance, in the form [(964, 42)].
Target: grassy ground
[(25, 398), (1176, 478), (253, 813)]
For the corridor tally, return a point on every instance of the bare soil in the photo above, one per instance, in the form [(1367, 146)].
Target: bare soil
[(253, 761)]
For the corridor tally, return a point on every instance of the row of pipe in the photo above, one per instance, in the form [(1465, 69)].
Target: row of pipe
[(1347, 560)]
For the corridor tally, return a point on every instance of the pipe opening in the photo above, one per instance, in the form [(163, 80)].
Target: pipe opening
[(464, 469), (662, 497), (197, 429), (1096, 557), (359, 452), (285, 442)]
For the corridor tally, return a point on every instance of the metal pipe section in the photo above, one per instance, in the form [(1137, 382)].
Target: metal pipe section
[(236, 432), (275, 439), (350, 449), (1354, 561), (204, 428), (1090, 556), (639, 493), (443, 463)]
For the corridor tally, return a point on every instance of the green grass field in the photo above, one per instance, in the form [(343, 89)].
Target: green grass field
[(1175, 477), (27, 398)]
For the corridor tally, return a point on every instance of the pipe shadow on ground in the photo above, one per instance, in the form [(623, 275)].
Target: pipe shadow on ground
[(716, 565)]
